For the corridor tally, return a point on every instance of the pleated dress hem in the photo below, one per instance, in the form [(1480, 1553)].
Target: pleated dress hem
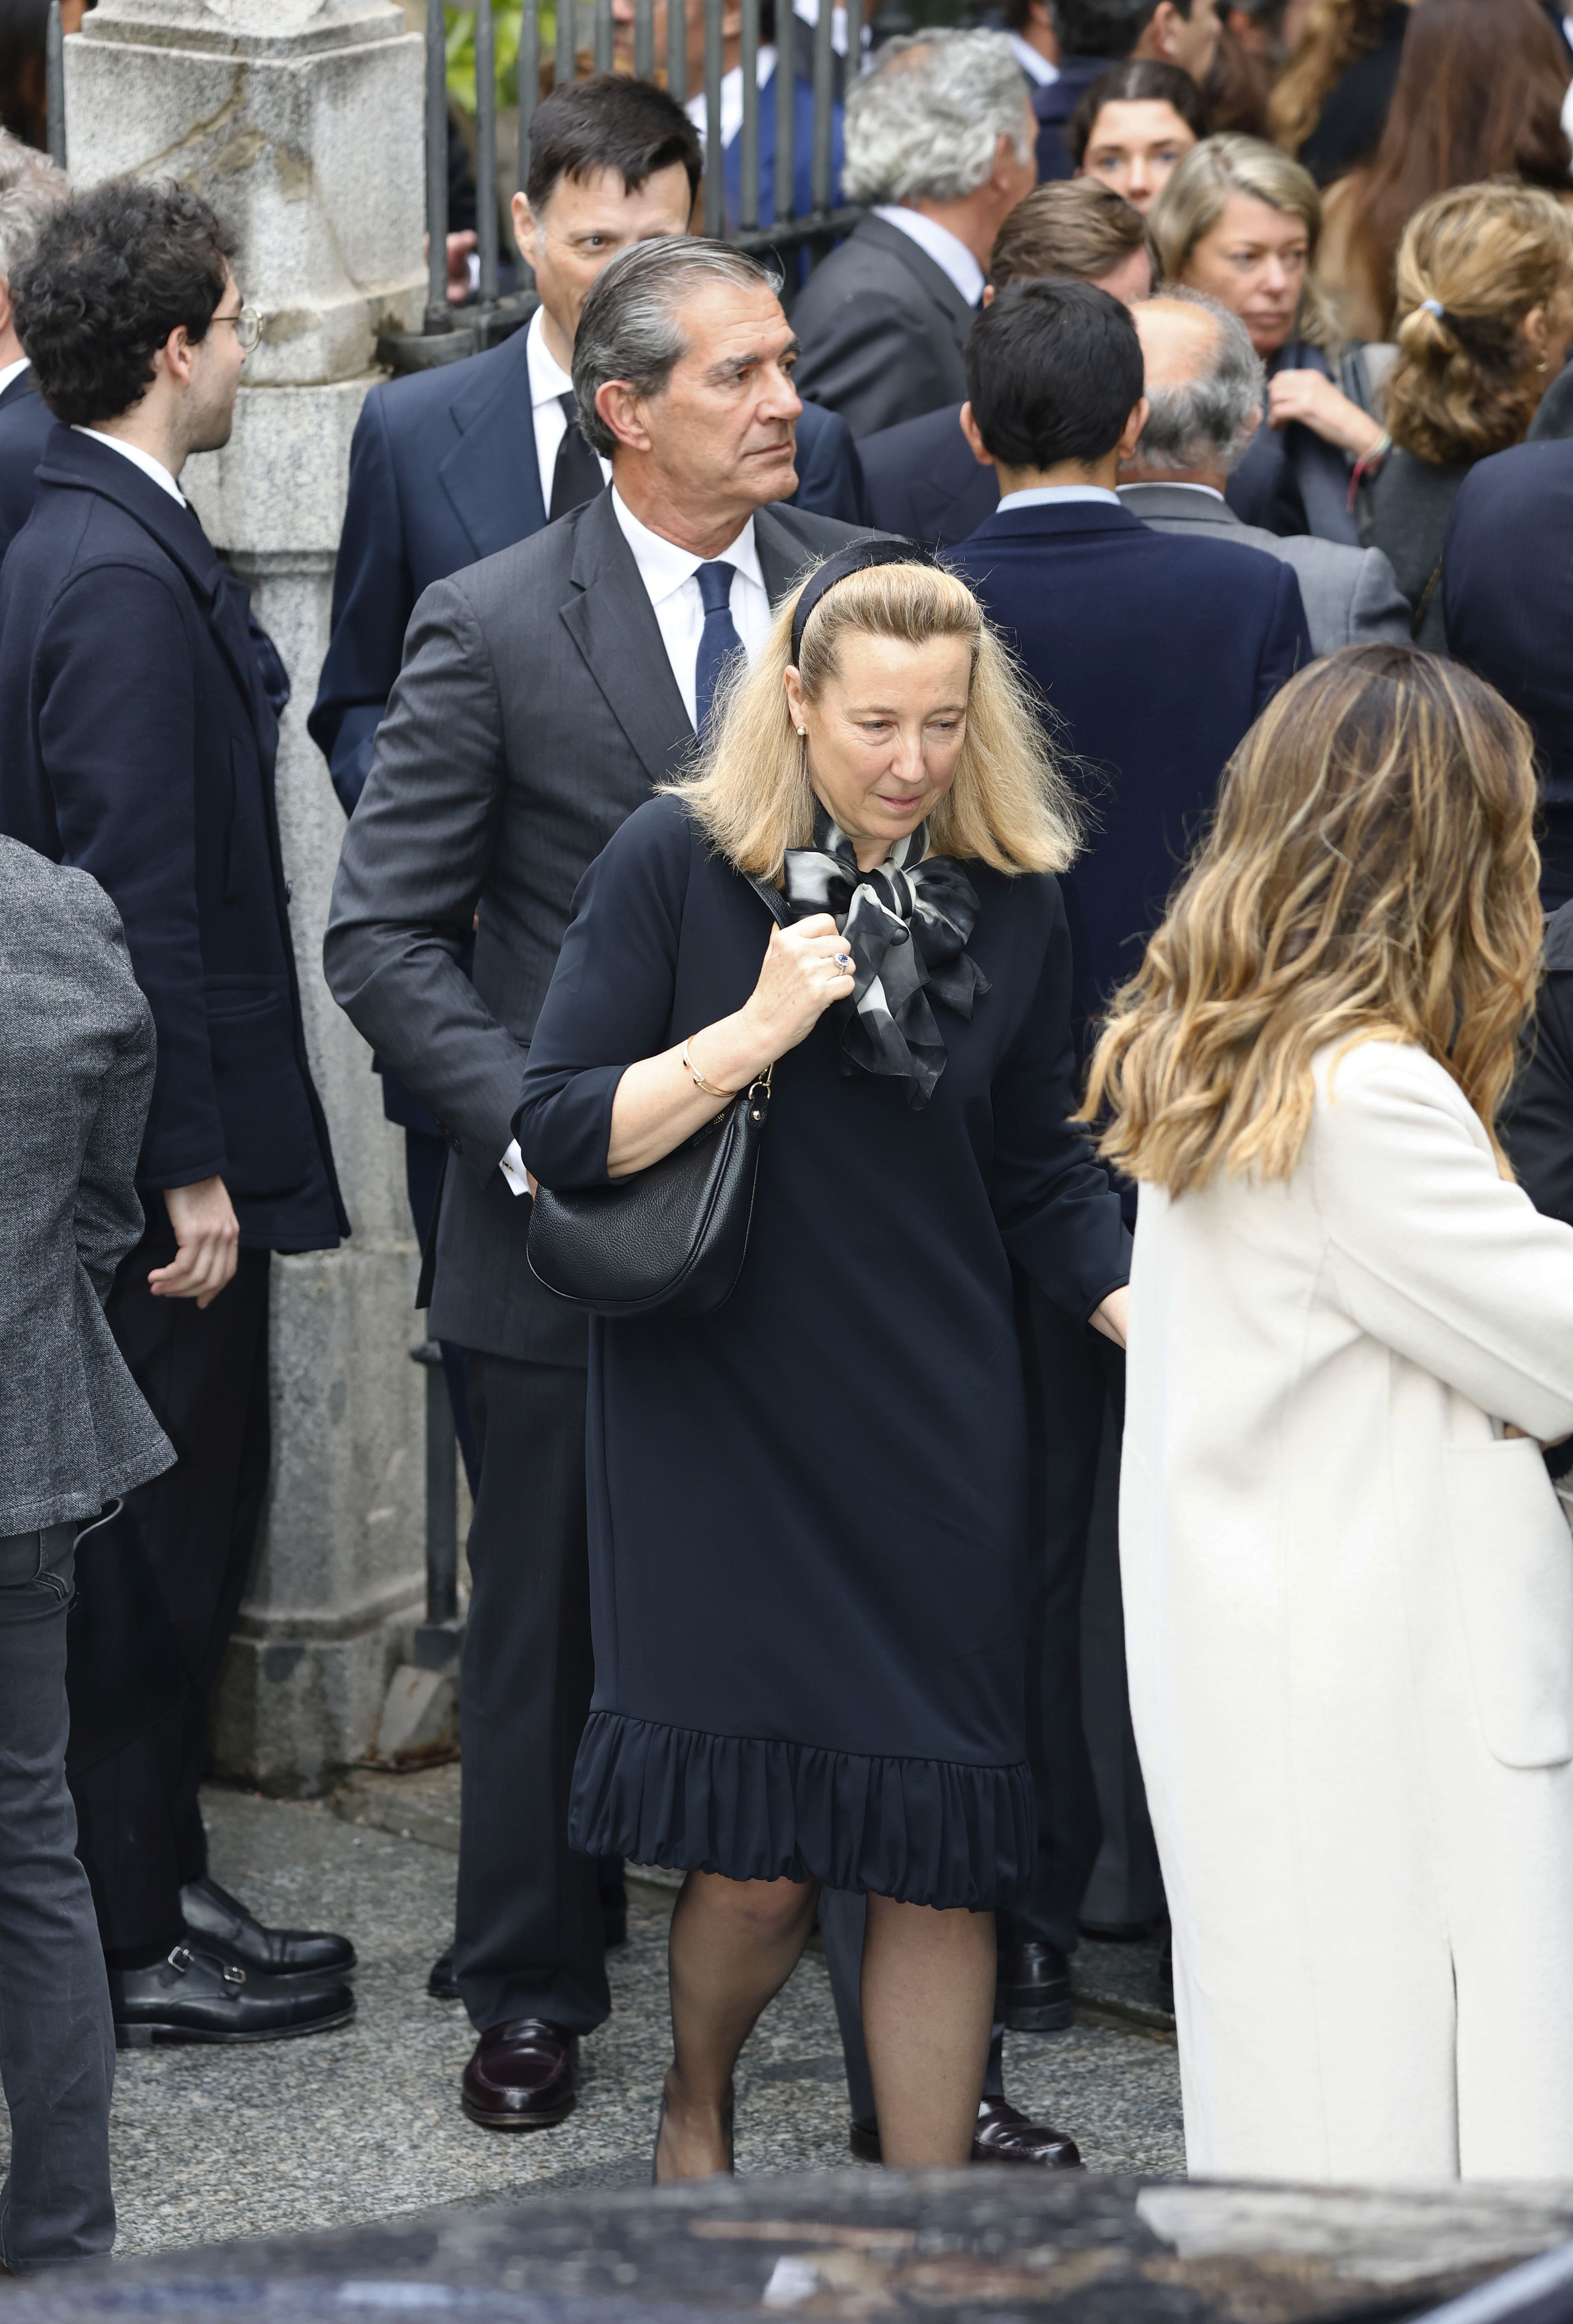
[(923, 1831)]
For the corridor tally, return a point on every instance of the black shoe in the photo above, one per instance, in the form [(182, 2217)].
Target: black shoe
[(1033, 1992), (197, 1995), (1003, 2135), (222, 1921), (442, 1984)]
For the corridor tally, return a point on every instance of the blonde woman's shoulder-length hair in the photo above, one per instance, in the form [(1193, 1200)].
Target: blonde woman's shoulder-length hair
[(1371, 873), (1191, 202), (1008, 805)]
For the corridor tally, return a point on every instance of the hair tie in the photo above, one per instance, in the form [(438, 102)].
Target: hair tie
[(1433, 306), (860, 557)]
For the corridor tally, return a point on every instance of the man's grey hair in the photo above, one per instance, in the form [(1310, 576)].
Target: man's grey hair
[(631, 324), (928, 119), (1211, 420), (31, 188)]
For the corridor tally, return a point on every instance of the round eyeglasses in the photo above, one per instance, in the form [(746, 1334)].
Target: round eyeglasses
[(248, 326)]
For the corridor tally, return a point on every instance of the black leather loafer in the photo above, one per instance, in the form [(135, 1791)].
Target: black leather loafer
[(524, 2075), (1034, 1990), (222, 1921), (199, 1995), (441, 1983), (1003, 2135)]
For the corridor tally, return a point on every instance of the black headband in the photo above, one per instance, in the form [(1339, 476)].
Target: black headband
[(859, 556)]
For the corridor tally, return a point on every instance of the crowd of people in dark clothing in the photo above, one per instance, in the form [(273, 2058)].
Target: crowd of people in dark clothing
[(1107, 618)]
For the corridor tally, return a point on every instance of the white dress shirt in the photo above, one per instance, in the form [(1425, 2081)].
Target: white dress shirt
[(1055, 495), (948, 251), (548, 382), (1036, 68), (667, 573), (8, 371), (138, 458)]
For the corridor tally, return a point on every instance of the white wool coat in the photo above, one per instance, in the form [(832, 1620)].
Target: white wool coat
[(1348, 1606)]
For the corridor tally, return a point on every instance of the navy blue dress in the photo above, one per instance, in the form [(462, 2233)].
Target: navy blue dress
[(808, 1510)]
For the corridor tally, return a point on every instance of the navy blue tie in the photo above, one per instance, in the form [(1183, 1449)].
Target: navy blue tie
[(718, 641)]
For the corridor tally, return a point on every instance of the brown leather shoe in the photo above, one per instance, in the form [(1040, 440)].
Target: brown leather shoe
[(1005, 2135), (524, 2076)]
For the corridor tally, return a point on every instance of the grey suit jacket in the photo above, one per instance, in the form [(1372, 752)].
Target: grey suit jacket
[(536, 709), (1349, 594), (883, 330), (76, 1078)]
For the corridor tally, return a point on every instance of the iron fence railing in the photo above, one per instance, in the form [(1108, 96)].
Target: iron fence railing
[(585, 40)]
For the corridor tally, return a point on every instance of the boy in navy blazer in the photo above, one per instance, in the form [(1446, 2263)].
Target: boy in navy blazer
[(140, 742), (1154, 654)]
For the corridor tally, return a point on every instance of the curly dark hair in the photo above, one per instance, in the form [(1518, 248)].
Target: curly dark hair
[(111, 275)]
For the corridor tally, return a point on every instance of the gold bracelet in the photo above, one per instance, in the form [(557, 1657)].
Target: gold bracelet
[(700, 1083)]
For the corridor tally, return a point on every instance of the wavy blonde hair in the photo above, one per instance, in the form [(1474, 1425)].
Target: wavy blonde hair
[(1008, 805), (1464, 382), (1191, 200), (1371, 873)]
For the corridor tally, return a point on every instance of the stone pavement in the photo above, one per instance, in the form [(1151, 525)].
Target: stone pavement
[(363, 2123)]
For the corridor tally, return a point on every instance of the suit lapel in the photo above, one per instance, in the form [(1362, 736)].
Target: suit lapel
[(929, 277), (613, 624), (490, 475)]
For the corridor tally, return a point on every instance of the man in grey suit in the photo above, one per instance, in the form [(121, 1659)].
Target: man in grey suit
[(1206, 392), (940, 142), (544, 693), (76, 1078)]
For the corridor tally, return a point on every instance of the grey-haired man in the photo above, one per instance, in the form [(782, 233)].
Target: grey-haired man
[(31, 188), (1206, 395), (544, 692)]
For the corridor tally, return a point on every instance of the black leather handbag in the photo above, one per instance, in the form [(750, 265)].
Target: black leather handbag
[(668, 1241)]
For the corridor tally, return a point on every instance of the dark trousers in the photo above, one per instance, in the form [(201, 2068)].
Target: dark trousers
[(158, 1590), (57, 2041), (842, 1919), (424, 1157), (529, 1940)]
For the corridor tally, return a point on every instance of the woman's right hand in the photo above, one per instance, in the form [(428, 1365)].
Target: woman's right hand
[(801, 977)]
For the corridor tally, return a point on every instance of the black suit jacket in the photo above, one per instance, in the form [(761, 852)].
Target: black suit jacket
[(883, 330), (921, 480), (1507, 582), (1053, 105), (535, 711), (25, 421), (1155, 654), (443, 472), (139, 744)]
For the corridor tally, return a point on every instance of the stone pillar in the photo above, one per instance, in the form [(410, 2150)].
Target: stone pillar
[(301, 122)]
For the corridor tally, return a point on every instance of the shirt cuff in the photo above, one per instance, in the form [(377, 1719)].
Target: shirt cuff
[(512, 1168)]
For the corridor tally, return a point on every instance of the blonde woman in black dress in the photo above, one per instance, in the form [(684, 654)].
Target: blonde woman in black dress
[(808, 1509)]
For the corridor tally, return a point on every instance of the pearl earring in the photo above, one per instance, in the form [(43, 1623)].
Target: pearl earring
[(804, 731)]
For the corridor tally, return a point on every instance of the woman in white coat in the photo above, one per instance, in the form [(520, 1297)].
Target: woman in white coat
[(1348, 1587)]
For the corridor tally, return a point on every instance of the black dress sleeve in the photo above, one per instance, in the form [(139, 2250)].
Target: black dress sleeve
[(609, 1004), (1059, 1217)]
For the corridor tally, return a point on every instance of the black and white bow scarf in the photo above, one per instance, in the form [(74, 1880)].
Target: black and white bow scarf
[(907, 925)]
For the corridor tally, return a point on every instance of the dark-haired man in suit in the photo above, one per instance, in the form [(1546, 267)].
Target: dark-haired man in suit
[(922, 478), (140, 741), (544, 692), (1155, 655)]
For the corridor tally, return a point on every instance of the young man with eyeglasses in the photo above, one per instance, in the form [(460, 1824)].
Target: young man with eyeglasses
[(139, 707)]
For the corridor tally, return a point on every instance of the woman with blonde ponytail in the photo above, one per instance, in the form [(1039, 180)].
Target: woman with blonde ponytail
[(1484, 279), (1348, 1586)]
